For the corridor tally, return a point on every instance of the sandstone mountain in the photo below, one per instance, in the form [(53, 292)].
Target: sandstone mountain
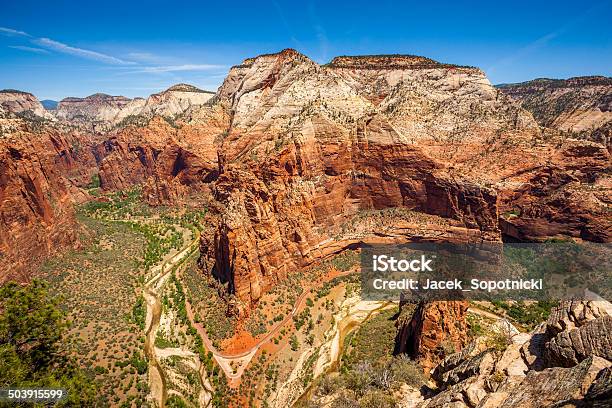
[(102, 112), (95, 109), (294, 153), (295, 160), (23, 103), (581, 105), (42, 170)]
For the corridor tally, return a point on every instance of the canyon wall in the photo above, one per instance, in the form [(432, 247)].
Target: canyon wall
[(582, 105), (289, 154), (41, 171)]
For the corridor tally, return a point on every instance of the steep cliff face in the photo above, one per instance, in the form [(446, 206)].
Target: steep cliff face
[(580, 105), (564, 362), (569, 194), (171, 161), (40, 171), (95, 110), (101, 112), (436, 329), (23, 103)]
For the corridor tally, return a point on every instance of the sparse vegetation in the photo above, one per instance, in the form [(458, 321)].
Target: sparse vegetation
[(527, 314), (102, 282), (369, 372), (204, 295)]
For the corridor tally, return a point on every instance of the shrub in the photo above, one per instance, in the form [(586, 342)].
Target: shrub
[(344, 401), (294, 342), (139, 363), (407, 371), (139, 312), (100, 370), (499, 340), (377, 399), (95, 181), (329, 384), (357, 381), (174, 401)]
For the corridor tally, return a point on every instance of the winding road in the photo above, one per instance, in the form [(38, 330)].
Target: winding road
[(232, 364), (241, 359)]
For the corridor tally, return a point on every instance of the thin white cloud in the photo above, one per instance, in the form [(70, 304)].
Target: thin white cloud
[(525, 51), (139, 62), (145, 57), (79, 52), (11, 32), (29, 49)]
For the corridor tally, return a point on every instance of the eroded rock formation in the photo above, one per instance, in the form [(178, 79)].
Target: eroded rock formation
[(294, 157), (581, 105), (435, 330), (477, 377), (23, 103), (40, 175)]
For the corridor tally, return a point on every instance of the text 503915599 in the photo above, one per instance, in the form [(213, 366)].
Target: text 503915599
[(32, 394)]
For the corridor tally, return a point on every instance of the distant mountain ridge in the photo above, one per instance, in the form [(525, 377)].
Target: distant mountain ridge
[(102, 112), (20, 102), (581, 105)]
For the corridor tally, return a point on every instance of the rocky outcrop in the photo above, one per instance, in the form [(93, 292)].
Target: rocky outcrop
[(569, 348), (578, 361), (23, 103), (551, 387), (581, 105), (574, 331), (436, 330), (101, 112), (40, 175), (572, 314), (600, 392)]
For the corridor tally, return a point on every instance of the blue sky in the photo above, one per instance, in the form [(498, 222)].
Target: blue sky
[(61, 48)]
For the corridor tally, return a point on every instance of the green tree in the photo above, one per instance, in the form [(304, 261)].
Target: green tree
[(30, 324), (31, 327)]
